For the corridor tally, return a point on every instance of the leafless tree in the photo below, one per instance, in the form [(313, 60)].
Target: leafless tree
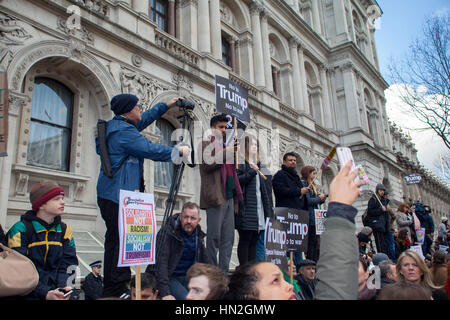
[(425, 75)]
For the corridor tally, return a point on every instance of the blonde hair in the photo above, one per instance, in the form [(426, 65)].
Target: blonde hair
[(426, 278)]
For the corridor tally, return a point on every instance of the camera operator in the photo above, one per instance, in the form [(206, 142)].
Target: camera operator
[(127, 148)]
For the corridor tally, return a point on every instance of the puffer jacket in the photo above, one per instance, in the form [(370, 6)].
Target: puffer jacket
[(172, 250), (247, 217), (51, 247), (124, 140)]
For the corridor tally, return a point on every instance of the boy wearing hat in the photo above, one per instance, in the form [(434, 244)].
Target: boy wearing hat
[(127, 149), (93, 283), (41, 236)]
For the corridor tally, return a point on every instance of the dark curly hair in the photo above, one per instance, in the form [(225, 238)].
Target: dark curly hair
[(243, 281)]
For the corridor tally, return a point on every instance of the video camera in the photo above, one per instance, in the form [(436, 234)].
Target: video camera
[(186, 104)]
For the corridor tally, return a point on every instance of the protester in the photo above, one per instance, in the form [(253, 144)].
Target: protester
[(259, 280), (220, 192), (415, 225), (368, 232), (403, 242), (426, 222), (389, 235), (206, 282), (257, 204), (363, 240), (442, 231), (364, 293), (404, 220), (41, 236), (388, 273), (379, 257), (439, 269), (93, 283), (306, 279), (313, 200), (289, 190), (148, 287), (183, 246), (127, 149), (412, 269), (404, 291), (378, 217)]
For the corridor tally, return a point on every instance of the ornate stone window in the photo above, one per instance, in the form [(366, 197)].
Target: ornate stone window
[(159, 13), (51, 125)]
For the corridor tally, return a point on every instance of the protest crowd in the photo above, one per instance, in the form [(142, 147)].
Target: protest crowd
[(399, 254)]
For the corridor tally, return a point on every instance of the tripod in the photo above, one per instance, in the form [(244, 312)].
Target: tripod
[(186, 123)]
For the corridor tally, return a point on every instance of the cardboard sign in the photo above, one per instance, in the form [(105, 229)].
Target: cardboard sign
[(412, 178), (418, 249), (275, 239), (3, 113), (321, 216), (137, 229), (420, 234), (232, 99), (298, 226)]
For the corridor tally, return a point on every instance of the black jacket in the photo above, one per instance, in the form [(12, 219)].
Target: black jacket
[(378, 219), (307, 289), (93, 287), (247, 217), (287, 189), (426, 221), (172, 250)]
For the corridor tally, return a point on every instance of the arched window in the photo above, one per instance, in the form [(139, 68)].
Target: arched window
[(51, 125), (159, 13), (164, 170), (226, 52)]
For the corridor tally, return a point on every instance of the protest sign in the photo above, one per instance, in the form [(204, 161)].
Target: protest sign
[(420, 234), (298, 224), (137, 229), (3, 113), (417, 249), (232, 99), (275, 239), (240, 130), (412, 178), (321, 216), (443, 248)]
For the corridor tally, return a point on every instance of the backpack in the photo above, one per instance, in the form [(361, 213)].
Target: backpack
[(365, 219)]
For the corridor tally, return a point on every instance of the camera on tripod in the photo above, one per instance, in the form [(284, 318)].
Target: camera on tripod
[(186, 104)]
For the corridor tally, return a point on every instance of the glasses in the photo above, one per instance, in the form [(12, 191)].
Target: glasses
[(140, 106)]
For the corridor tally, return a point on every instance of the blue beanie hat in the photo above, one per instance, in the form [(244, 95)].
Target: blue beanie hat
[(123, 103)]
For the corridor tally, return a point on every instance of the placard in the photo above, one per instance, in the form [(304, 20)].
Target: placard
[(418, 249), (231, 99), (137, 229), (443, 248), (321, 216), (275, 242), (298, 226), (420, 234), (412, 178)]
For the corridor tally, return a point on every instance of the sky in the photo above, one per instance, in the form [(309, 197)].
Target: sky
[(402, 22)]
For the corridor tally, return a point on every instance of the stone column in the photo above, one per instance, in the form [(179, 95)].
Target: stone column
[(141, 6), (297, 80), (204, 36), (340, 20), (171, 17), (216, 29), (258, 59), (351, 100), (316, 17), (304, 88), (327, 115), (266, 52)]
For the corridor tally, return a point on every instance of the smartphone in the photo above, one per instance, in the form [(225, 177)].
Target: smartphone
[(66, 293)]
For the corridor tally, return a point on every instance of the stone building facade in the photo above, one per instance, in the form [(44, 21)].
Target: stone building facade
[(310, 67)]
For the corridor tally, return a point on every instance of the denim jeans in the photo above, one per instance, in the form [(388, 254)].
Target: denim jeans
[(178, 287), (390, 246)]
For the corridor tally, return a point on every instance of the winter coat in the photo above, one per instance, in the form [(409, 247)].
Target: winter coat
[(51, 251), (312, 202), (307, 289), (213, 177), (247, 217), (378, 219), (426, 221), (404, 221), (287, 187), (337, 267), (172, 250), (125, 140), (93, 287)]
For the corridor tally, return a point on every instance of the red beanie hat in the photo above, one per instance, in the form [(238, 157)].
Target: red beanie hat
[(42, 192)]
